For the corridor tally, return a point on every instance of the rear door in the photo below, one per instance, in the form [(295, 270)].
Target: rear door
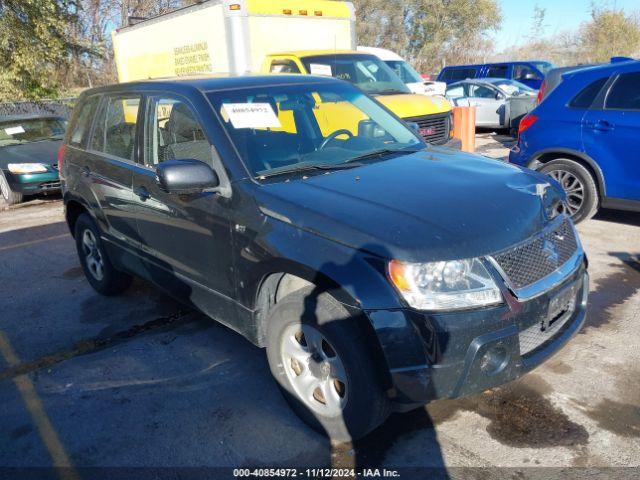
[(108, 165), (611, 136), (187, 237)]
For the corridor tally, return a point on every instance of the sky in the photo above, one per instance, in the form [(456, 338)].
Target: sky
[(561, 15)]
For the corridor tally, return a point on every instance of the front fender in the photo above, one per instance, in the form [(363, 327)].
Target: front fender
[(355, 276)]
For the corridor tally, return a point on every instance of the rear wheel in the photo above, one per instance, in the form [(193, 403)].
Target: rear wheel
[(320, 359), (578, 184), (9, 195), (100, 273)]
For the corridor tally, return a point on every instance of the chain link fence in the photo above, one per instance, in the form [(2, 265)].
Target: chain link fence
[(61, 107)]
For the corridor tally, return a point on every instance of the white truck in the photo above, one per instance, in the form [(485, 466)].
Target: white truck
[(406, 72), (229, 36)]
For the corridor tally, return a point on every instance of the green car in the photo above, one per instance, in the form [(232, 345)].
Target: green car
[(28, 155)]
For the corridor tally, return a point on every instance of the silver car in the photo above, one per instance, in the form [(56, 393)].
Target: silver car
[(499, 102)]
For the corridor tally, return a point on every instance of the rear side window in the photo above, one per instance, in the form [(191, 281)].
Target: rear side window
[(284, 66), (115, 130), (625, 93), (498, 71), (463, 73), (456, 91), (82, 123), (587, 96), (174, 133), (480, 91)]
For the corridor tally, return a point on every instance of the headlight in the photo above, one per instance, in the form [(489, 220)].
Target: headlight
[(450, 285), (27, 168)]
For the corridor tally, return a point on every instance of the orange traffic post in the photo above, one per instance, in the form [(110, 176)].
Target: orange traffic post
[(464, 127)]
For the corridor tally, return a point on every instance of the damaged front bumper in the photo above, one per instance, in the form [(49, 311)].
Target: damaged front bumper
[(447, 355)]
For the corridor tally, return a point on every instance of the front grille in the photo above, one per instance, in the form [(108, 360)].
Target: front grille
[(532, 261), (534, 337), (49, 185), (433, 128)]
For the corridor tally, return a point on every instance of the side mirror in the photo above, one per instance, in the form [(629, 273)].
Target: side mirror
[(499, 96), (186, 176), (531, 76)]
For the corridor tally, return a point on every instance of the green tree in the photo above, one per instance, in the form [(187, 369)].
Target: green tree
[(34, 39), (610, 32), (430, 33)]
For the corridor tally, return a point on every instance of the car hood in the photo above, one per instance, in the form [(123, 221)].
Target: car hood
[(45, 151), (433, 205), (410, 105)]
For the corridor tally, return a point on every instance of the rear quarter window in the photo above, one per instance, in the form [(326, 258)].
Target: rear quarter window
[(82, 123), (588, 94), (625, 93), (455, 74), (116, 126)]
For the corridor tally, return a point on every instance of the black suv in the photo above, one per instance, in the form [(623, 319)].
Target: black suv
[(379, 273)]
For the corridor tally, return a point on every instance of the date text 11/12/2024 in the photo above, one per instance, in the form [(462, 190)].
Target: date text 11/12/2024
[(315, 473)]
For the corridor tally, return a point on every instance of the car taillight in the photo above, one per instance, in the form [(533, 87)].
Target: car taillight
[(541, 92), (61, 150), (526, 123)]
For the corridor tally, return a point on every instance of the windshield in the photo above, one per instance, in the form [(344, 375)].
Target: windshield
[(31, 130), (369, 73), (294, 127), (512, 87), (544, 67), (405, 71)]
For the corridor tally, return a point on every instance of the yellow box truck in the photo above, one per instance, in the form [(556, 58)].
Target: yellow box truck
[(245, 36)]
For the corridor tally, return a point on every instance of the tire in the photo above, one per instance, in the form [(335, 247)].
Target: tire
[(9, 195), (97, 267), (356, 402), (579, 185)]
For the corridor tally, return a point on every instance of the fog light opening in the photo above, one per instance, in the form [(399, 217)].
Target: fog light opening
[(494, 360)]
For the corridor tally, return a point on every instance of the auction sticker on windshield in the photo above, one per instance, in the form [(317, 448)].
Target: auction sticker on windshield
[(14, 130), (319, 69), (251, 115)]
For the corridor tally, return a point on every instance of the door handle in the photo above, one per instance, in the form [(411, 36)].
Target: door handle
[(602, 126), (85, 171), (142, 192)]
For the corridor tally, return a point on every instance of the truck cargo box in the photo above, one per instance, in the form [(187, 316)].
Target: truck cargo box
[(229, 36)]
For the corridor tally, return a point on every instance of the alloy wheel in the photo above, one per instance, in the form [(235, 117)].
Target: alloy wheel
[(314, 370), (572, 186), (92, 255)]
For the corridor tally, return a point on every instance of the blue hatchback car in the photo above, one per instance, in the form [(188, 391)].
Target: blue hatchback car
[(586, 135)]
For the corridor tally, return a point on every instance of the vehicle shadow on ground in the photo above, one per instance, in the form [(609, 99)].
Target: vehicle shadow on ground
[(502, 136), (618, 216)]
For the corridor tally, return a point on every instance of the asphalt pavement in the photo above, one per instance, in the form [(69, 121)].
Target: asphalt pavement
[(137, 385)]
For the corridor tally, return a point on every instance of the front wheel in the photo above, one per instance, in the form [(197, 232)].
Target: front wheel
[(11, 197), (320, 359), (578, 184)]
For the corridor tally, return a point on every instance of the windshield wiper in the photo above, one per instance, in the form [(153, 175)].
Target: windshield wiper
[(308, 168), (52, 137), (380, 153), (389, 91)]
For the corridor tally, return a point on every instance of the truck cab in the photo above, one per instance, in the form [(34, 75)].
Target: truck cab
[(432, 115)]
